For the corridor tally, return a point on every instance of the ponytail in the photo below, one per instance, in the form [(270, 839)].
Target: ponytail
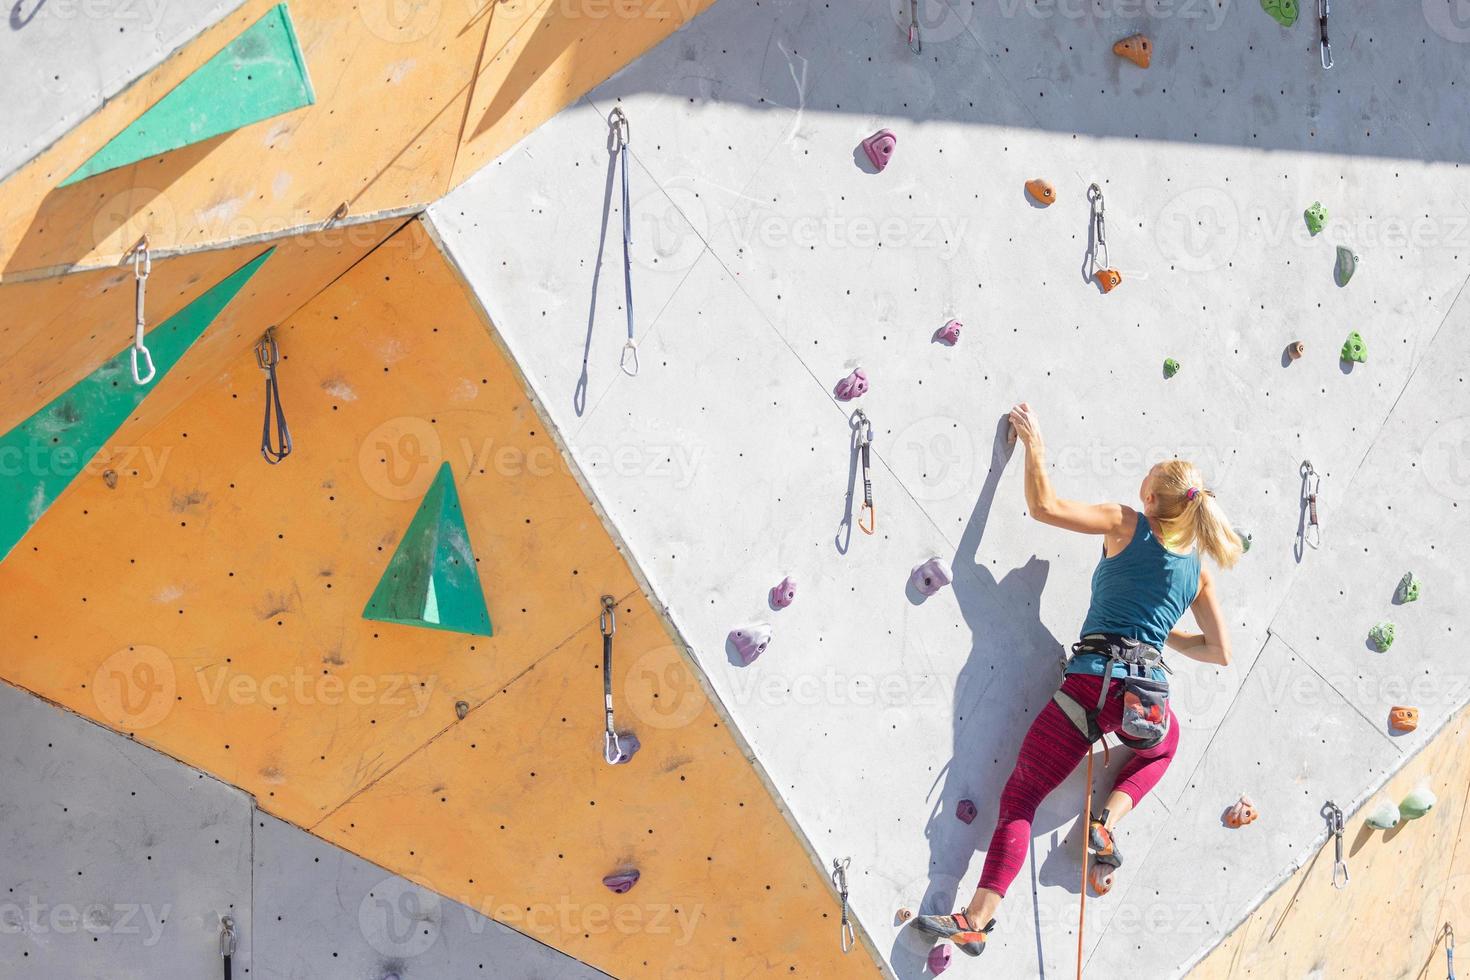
[(1189, 515)]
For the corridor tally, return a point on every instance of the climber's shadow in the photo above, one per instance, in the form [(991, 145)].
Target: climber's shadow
[(1012, 669)]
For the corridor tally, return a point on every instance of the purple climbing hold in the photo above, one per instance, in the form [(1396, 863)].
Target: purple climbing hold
[(966, 811), (784, 594), (855, 385), (879, 147), (622, 882), (621, 749), (931, 576), (939, 959), (949, 333), (750, 641)]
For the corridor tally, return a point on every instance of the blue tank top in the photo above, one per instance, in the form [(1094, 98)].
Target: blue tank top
[(1143, 590)]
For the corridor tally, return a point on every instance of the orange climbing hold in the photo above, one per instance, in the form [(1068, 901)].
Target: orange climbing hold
[(1108, 279), (1240, 813), (1100, 877), (1136, 49), (1041, 191), (1403, 719), (1296, 349), (904, 915)]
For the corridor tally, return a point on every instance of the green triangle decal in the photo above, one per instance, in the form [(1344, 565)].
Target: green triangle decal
[(40, 457), (259, 74), (432, 580)]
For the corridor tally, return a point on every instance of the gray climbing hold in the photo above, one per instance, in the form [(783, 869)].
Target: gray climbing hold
[(461, 708), (1245, 539), (1408, 590), (1384, 816), (1316, 217), (1381, 635), (1347, 264)]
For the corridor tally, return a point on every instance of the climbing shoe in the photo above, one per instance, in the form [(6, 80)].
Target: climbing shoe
[(957, 929), (1101, 842)]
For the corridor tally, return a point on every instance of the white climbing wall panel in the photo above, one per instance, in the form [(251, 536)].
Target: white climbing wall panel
[(767, 263), (60, 60)]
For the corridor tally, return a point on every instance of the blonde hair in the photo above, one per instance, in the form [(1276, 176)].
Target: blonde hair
[(1192, 518)]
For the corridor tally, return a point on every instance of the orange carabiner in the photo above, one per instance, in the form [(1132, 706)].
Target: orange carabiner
[(872, 524)]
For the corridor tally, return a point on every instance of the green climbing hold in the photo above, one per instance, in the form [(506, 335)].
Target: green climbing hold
[(1353, 349), (60, 440), (1417, 803), (1316, 216), (1347, 264), (431, 579), (1384, 816), (1171, 367), (260, 74), (1408, 590), (1245, 539), (1381, 635), (1284, 12)]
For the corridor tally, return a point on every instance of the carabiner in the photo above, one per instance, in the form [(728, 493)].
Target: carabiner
[(839, 881), (1333, 815), (1099, 225), (1311, 486), (607, 619), (1324, 8), (267, 356), (915, 45), (630, 346), (619, 130), (864, 443), (142, 268), (1449, 949)]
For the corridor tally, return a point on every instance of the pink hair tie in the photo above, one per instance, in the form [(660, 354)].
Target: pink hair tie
[(1191, 493)]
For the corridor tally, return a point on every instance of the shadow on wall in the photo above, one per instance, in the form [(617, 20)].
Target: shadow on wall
[(1221, 73)]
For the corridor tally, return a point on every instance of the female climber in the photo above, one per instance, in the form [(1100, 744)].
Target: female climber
[(1149, 573)]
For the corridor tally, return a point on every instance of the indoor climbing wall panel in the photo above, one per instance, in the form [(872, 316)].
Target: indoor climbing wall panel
[(769, 261), (118, 860), (64, 60), (220, 621), (400, 90)]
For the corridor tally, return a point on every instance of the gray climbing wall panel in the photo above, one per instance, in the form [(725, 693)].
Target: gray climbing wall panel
[(327, 913), (115, 861), (768, 262)]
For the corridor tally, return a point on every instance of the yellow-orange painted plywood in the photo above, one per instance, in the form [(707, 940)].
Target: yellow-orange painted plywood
[(1405, 884)]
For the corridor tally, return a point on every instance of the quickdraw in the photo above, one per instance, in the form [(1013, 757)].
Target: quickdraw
[(268, 355), (614, 751), (1311, 486), (1449, 950), (1324, 8), (1097, 266), (839, 881), (142, 268), (864, 430), (227, 942), (915, 45), (1333, 815), (619, 134)]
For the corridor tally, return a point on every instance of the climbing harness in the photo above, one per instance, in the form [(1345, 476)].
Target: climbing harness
[(613, 748), (1324, 8), (1311, 486), (1449, 949), (1145, 688), (1333, 815), (142, 268), (914, 44), (227, 942), (1107, 277), (864, 430), (839, 881), (619, 133), (268, 355)]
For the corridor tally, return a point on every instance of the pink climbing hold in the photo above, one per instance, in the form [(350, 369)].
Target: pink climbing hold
[(879, 147), (931, 576), (622, 882), (949, 333), (855, 385), (784, 594), (750, 641), (966, 811), (939, 959)]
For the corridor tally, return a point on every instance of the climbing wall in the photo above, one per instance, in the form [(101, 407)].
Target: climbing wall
[(223, 624), (769, 261)]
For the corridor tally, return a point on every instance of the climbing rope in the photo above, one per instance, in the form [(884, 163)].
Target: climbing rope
[(227, 942), (612, 747), (268, 355), (864, 430), (915, 45), (142, 268), (1333, 815), (1311, 486), (1324, 8), (839, 881), (619, 133)]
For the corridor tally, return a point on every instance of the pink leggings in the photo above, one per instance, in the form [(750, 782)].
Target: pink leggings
[(1051, 750)]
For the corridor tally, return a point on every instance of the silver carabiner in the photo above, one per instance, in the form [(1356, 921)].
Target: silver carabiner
[(1324, 8), (1333, 815), (1099, 224), (915, 45), (619, 130), (839, 881), (142, 268), (1311, 486)]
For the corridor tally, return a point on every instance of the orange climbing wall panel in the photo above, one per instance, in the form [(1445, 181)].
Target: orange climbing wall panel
[(399, 88), (1405, 884), (213, 607), (56, 331)]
